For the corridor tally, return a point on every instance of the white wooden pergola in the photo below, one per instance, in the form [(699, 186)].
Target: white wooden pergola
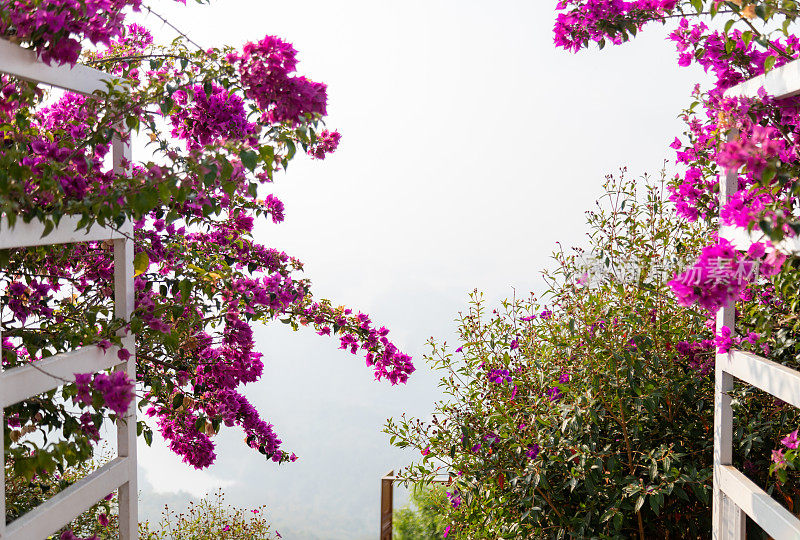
[(734, 494), (21, 383)]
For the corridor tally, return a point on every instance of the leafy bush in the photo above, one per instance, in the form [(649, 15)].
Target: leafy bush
[(426, 521), (210, 519), (589, 411)]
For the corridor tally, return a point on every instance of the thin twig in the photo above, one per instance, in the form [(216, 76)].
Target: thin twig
[(183, 34), (135, 58)]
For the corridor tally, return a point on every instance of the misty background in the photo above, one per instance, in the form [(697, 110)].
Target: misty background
[(470, 147)]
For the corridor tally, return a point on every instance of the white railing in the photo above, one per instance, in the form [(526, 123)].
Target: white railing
[(21, 383), (734, 494)]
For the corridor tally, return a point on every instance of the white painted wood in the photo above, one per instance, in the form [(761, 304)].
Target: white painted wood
[(2, 455), (66, 505), (124, 302), (779, 83), (20, 383), (742, 239), (771, 516), (727, 518), (779, 380), (30, 234), (23, 382), (733, 492), (23, 63)]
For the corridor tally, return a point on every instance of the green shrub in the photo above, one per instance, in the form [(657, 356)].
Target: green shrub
[(426, 520), (210, 519), (588, 412)]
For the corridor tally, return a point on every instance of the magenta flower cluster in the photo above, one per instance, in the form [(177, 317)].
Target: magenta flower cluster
[(699, 355), (56, 32), (583, 21), (210, 118), (327, 142), (116, 390), (719, 275), (266, 71), (382, 355)]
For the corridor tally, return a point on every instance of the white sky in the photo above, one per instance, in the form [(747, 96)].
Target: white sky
[(470, 147)]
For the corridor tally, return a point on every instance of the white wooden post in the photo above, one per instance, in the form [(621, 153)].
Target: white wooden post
[(124, 297), (2, 454), (734, 494), (21, 383), (728, 519)]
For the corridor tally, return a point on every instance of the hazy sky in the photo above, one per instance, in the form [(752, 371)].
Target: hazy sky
[(470, 147)]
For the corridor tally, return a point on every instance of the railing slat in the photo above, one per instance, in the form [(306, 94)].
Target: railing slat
[(23, 63), (779, 380), (66, 505), (779, 83), (30, 234), (20, 383), (742, 239), (776, 520)]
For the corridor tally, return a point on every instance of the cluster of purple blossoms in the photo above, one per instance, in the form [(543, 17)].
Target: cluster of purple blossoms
[(499, 376), (554, 393), (382, 355), (753, 149), (210, 117), (454, 497), (731, 64), (699, 355), (791, 442), (719, 275), (116, 390), (88, 426), (725, 340), (28, 300), (265, 68), (56, 32), (583, 21), (327, 143)]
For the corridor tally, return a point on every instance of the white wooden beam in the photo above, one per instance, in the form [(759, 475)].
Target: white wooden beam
[(742, 239), (770, 515), (777, 379), (66, 505), (20, 383), (779, 83), (30, 234), (23, 63)]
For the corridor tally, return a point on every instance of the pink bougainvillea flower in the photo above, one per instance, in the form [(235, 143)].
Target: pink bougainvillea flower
[(790, 441)]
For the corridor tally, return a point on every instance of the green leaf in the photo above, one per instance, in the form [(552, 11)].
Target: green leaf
[(177, 400), (166, 106), (292, 149), (48, 227), (140, 263), (769, 63), (249, 159), (728, 25), (770, 170), (639, 503)]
